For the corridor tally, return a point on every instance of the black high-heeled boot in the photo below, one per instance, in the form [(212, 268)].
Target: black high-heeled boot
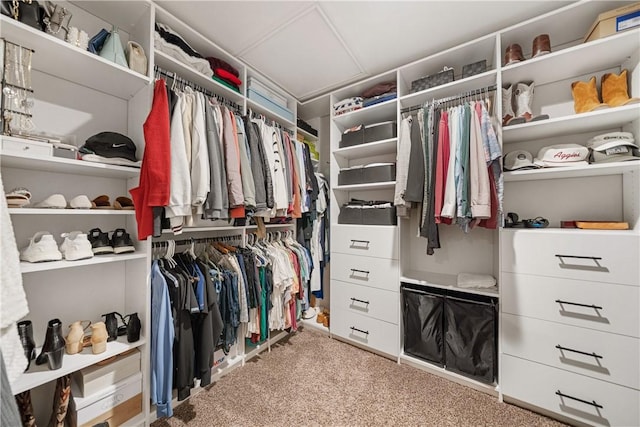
[(53, 348), (25, 330), (111, 323)]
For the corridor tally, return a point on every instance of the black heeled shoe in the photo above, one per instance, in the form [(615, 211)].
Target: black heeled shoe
[(53, 348), (25, 330)]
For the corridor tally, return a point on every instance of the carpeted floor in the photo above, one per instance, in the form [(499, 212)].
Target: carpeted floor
[(310, 379)]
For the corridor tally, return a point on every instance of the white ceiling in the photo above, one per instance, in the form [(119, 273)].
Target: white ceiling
[(312, 47)]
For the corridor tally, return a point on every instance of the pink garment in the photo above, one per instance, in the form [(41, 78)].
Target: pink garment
[(442, 167)]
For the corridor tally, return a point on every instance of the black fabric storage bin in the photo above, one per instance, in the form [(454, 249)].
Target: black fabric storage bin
[(470, 336), (423, 317), (350, 216), (367, 175), (371, 216), (369, 133)]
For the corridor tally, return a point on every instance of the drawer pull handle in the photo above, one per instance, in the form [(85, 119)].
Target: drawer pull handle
[(364, 242), (355, 270), (360, 301), (597, 356), (595, 258), (353, 328), (592, 403), (595, 307)]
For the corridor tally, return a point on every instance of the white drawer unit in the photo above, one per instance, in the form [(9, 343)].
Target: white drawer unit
[(377, 303), (379, 242), (364, 330), (575, 396), (362, 270), (11, 145), (600, 306), (596, 256), (600, 355)]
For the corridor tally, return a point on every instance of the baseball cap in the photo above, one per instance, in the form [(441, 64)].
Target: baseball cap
[(613, 147), (519, 159), (562, 155), (110, 144)]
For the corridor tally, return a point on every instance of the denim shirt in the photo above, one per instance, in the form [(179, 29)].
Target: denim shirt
[(162, 336)]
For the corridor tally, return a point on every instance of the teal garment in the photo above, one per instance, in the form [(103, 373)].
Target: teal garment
[(264, 320), (462, 169)]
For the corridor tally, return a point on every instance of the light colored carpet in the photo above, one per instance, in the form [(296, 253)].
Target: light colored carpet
[(309, 379)]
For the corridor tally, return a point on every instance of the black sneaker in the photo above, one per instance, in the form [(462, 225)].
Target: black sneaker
[(100, 243), (121, 242)]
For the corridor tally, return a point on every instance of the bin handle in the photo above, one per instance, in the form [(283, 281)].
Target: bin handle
[(597, 356), (592, 403)]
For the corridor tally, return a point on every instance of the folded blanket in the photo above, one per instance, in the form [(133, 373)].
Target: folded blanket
[(225, 75), (471, 280)]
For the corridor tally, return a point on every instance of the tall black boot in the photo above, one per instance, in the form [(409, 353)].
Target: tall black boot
[(53, 348), (25, 330)]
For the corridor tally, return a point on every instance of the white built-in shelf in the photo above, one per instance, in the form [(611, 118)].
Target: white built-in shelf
[(585, 58), (607, 118), (69, 166), (45, 211), (573, 231), (61, 59), (385, 111), (352, 226), (370, 149), (307, 135), (258, 108), (253, 226), (38, 375), (188, 73), (201, 229), (444, 281), (601, 169), (313, 324), (28, 267), (455, 87), (371, 186)]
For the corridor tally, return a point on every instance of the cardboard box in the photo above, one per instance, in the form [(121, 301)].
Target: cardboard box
[(117, 403), (612, 22), (95, 378)]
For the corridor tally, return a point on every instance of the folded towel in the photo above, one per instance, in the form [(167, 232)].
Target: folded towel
[(471, 280)]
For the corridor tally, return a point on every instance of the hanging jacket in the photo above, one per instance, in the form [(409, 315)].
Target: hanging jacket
[(213, 205)]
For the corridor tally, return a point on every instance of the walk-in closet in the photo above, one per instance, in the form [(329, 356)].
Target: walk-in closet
[(319, 213)]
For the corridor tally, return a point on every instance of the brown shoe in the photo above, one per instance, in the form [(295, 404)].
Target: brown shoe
[(513, 54), (585, 96), (541, 45), (326, 321), (25, 407), (615, 91), (320, 318)]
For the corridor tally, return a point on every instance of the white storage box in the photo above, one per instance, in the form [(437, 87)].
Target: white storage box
[(96, 378), (24, 147), (270, 94), (116, 404)]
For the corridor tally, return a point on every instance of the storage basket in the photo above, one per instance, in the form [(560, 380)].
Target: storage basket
[(444, 76)]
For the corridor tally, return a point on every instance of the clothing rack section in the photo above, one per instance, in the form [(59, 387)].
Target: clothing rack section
[(462, 96), (270, 122), (182, 81)]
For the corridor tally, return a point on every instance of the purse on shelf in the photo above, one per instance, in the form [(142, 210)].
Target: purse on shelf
[(136, 57), (26, 11), (96, 42), (444, 76), (56, 18), (112, 48), (475, 68)]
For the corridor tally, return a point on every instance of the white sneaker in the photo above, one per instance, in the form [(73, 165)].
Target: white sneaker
[(76, 246), (309, 313), (42, 247), (80, 202), (54, 201)]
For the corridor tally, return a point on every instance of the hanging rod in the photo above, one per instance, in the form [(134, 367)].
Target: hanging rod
[(271, 122), (198, 240), (197, 87), (466, 94)]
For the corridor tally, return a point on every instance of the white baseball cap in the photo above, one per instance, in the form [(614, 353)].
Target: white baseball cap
[(519, 159), (562, 155)]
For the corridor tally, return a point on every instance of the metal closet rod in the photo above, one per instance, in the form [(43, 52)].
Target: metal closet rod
[(199, 240), (464, 95), (174, 76), (272, 122)]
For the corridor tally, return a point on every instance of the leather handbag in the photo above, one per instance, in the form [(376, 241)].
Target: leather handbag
[(474, 68), (26, 11), (112, 49), (96, 42), (136, 57), (56, 18), (444, 76)]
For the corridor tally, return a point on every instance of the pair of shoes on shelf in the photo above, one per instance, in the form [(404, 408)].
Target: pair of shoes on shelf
[(18, 197), (323, 317), (43, 247), (121, 203), (309, 313), (517, 104), (58, 201), (541, 46), (119, 243), (615, 93)]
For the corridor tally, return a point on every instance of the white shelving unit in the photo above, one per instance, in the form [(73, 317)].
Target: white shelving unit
[(26, 267), (372, 114), (444, 281), (46, 211), (377, 148), (603, 169), (373, 186)]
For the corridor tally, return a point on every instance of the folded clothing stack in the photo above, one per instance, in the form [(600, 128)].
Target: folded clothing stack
[(171, 43), (368, 212), (307, 127), (225, 73), (347, 105), (380, 92), (471, 280)]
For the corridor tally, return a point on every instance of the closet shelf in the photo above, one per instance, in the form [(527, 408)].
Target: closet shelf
[(67, 166), (608, 118), (27, 267), (226, 228), (602, 169), (453, 88), (575, 61), (371, 186), (571, 231), (444, 281), (385, 111), (44, 211), (307, 135), (38, 375), (257, 108), (387, 146), (182, 70), (61, 59)]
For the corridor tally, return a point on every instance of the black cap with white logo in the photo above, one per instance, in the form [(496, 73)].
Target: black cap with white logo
[(110, 144)]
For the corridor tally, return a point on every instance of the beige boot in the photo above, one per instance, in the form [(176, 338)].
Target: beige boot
[(507, 107), (73, 341), (524, 104), (99, 338)]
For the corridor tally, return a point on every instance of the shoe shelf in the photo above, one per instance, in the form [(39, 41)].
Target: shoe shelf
[(387, 146), (69, 166), (372, 186), (602, 169), (38, 375), (307, 135), (444, 281), (28, 267), (607, 118), (61, 59), (578, 60), (44, 211), (384, 111)]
